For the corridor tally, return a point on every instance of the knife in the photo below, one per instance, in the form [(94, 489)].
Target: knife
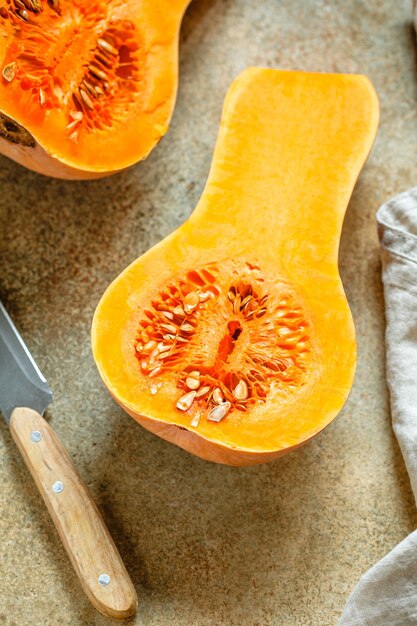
[(24, 396)]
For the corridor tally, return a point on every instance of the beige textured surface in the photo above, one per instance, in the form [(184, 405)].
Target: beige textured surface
[(279, 544)]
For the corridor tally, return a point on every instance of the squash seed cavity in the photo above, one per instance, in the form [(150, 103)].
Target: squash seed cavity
[(81, 57), (227, 336)]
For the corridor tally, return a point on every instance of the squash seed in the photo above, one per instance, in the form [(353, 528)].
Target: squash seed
[(149, 346), (179, 311), (155, 387), (240, 392), (107, 47), (219, 412), (22, 13), (91, 90), (217, 396), (155, 371), (203, 391), (196, 420), (187, 328), (169, 327), (169, 337), (185, 402), (71, 125), (97, 72), (245, 301), (193, 380), (76, 115), (236, 305), (191, 302), (86, 99), (9, 71)]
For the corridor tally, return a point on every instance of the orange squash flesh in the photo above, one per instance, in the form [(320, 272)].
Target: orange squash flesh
[(122, 56), (290, 148)]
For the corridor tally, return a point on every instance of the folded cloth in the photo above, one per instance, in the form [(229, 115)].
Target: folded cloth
[(387, 594)]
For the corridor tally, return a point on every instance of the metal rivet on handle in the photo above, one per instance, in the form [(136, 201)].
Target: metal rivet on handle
[(36, 436), (104, 579), (57, 487)]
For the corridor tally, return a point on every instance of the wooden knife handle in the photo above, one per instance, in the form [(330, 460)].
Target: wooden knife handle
[(86, 539)]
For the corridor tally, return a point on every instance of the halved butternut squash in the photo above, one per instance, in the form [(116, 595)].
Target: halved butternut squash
[(87, 87), (232, 337)]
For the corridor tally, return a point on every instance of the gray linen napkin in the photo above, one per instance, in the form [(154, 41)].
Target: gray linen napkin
[(387, 594)]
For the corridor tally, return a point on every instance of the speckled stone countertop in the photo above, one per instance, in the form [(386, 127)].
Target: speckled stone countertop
[(275, 545)]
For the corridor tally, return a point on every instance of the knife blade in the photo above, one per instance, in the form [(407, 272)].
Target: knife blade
[(24, 396), (21, 381)]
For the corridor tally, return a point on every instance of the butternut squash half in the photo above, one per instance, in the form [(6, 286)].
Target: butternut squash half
[(88, 86), (232, 337)]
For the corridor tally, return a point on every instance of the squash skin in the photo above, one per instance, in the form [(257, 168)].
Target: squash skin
[(205, 448), (105, 153), (269, 116)]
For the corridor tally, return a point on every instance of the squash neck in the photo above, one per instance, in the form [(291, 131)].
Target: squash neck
[(290, 149)]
